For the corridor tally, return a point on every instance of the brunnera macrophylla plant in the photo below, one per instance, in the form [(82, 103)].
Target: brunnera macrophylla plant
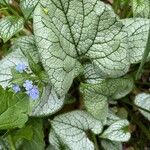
[(80, 52)]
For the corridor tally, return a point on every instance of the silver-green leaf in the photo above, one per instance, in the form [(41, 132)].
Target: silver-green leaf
[(9, 26), (137, 30), (143, 100), (114, 88), (117, 131), (28, 6), (9, 62), (96, 104), (111, 118), (68, 31), (96, 91), (141, 8), (48, 104), (71, 128), (27, 45), (21, 48), (110, 145), (56, 142)]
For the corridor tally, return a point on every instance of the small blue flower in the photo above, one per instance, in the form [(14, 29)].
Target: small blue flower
[(16, 88), (28, 85), (33, 93), (21, 67)]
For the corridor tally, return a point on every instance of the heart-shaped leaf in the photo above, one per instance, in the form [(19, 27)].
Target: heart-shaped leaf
[(117, 131), (71, 128), (69, 31)]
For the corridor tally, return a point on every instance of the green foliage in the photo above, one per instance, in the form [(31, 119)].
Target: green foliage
[(37, 141), (14, 109), (80, 59)]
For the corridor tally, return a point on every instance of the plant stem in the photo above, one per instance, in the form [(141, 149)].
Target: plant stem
[(4, 8), (12, 145), (145, 55), (95, 142)]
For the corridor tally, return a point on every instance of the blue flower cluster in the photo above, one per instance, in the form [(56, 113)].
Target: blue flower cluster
[(21, 67), (16, 88), (31, 90)]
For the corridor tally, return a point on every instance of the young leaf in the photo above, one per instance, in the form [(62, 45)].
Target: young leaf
[(70, 128), (17, 136), (28, 6), (96, 91), (96, 104), (110, 145), (114, 88), (111, 118), (141, 8), (91, 75), (9, 26), (117, 131), (143, 100), (48, 104), (137, 29), (37, 142), (14, 109), (68, 31), (23, 133)]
